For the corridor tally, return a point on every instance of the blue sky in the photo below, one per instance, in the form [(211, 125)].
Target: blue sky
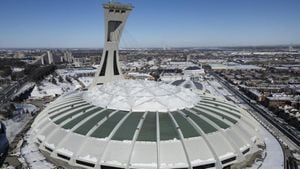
[(153, 23)]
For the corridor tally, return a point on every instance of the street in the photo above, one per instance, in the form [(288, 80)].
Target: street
[(281, 133)]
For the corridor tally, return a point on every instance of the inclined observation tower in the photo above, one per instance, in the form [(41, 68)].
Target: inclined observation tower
[(116, 15)]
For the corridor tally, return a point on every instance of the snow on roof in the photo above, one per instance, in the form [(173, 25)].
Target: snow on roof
[(17, 69), (138, 95), (234, 66), (281, 97)]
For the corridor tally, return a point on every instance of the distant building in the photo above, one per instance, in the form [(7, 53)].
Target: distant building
[(193, 71), (50, 57), (19, 55), (254, 94), (42, 59), (296, 102), (279, 100), (177, 65), (68, 57), (232, 66)]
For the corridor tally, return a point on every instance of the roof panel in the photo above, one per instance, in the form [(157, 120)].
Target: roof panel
[(71, 107), (106, 128), (186, 128), (144, 154), (88, 125), (64, 103), (148, 130), (70, 115), (222, 115), (172, 155), (128, 128), (68, 105), (215, 120), (198, 151), (222, 103), (167, 128), (206, 127), (78, 119)]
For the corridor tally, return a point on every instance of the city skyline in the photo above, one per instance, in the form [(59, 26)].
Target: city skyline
[(76, 24)]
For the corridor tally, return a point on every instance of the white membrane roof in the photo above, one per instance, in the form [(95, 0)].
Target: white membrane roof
[(139, 95)]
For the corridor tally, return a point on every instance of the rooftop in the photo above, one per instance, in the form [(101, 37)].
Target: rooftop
[(139, 95), (117, 5)]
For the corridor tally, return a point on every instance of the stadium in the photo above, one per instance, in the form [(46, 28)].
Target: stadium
[(118, 124)]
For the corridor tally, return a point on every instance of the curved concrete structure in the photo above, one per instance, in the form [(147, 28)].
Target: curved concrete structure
[(208, 132)]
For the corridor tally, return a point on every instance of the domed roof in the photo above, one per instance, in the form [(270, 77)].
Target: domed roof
[(140, 95), (113, 125)]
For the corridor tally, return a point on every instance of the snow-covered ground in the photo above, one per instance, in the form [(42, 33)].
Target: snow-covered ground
[(74, 72), (87, 81), (15, 125), (47, 88), (274, 155), (33, 157), (214, 88), (171, 78)]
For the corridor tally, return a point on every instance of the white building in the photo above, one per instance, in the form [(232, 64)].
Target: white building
[(50, 57), (193, 71)]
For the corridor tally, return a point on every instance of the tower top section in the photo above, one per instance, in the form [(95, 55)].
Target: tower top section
[(117, 6), (115, 16)]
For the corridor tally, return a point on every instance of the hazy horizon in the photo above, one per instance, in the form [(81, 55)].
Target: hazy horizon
[(152, 24)]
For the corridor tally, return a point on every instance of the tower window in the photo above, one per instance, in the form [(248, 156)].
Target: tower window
[(111, 10), (117, 11), (123, 11), (112, 27), (103, 69)]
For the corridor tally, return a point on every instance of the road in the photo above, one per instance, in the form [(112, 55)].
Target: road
[(281, 132)]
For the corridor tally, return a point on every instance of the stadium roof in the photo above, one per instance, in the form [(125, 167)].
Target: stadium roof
[(140, 95), (210, 131)]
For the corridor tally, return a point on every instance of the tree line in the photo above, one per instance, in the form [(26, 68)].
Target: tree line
[(7, 63), (37, 73)]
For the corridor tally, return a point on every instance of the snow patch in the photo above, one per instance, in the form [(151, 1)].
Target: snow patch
[(89, 158)]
